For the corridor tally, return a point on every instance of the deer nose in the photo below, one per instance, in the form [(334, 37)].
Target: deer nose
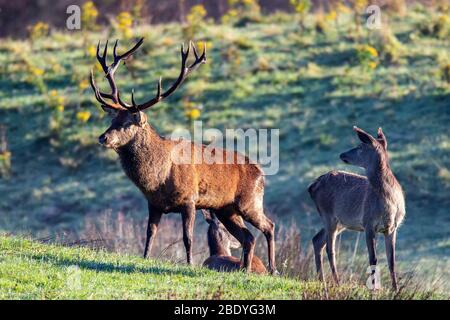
[(343, 158), (102, 139)]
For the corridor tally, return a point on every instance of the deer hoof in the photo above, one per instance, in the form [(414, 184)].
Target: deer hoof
[(275, 273)]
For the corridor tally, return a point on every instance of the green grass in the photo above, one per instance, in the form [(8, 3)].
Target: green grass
[(31, 270), (314, 92)]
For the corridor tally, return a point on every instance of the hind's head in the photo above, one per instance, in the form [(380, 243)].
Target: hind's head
[(369, 152)]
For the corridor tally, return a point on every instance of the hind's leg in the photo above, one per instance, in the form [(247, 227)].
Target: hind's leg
[(319, 241), (235, 225), (331, 241), (389, 239)]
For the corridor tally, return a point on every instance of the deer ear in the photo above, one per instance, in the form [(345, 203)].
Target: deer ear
[(382, 138), (364, 136), (109, 111), (139, 118)]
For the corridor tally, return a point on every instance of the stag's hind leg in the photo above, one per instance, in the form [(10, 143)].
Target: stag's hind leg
[(261, 222), (235, 225)]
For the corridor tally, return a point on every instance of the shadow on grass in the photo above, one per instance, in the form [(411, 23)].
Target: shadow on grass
[(110, 267)]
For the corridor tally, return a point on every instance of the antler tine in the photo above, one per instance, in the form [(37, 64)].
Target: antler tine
[(122, 103), (102, 59), (127, 54), (99, 96), (132, 97), (109, 74), (198, 60), (115, 49), (184, 72), (158, 94)]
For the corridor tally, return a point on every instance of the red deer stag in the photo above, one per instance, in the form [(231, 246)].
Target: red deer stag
[(220, 241), (373, 204), (150, 161)]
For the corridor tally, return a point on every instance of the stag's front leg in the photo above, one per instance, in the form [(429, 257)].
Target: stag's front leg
[(188, 216), (154, 216), (390, 239)]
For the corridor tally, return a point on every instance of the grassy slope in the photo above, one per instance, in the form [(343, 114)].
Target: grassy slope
[(31, 270), (313, 92)]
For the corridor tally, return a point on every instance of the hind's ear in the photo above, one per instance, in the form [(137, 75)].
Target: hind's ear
[(382, 138), (364, 136)]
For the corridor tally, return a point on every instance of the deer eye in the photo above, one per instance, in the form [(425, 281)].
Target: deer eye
[(137, 117)]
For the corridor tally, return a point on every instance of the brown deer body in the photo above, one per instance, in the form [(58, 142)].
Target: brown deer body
[(220, 241), (152, 163), (372, 204)]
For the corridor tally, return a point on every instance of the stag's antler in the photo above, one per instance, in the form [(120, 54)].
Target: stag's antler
[(117, 103), (185, 71)]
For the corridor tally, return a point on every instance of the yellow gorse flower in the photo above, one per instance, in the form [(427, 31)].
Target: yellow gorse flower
[(37, 71), (124, 23), (342, 8), (83, 85), (39, 30), (55, 100), (360, 5), (89, 15), (331, 16), (207, 44), (83, 116), (196, 14), (92, 51), (301, 6), (193, 114), (373, 52)]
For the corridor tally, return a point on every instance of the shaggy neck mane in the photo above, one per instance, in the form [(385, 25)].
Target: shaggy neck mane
[(145, 159)]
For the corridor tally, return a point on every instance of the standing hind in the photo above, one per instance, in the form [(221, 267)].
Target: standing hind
[(373, 203)]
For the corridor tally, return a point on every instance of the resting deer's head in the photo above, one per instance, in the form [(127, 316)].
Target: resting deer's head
[(220, 241), (369, 152), (129, 119)]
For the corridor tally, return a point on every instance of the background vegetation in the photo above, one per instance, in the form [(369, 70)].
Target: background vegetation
[(312, 74)]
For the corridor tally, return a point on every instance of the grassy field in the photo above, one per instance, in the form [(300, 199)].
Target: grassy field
[(30, 270), (313, 86)]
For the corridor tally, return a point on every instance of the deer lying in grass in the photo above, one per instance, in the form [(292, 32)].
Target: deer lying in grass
[(220, 241), (234, 191), (373, 204)]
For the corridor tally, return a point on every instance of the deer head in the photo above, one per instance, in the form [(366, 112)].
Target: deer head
[(129, 119), (219, 239), (370, 150)]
